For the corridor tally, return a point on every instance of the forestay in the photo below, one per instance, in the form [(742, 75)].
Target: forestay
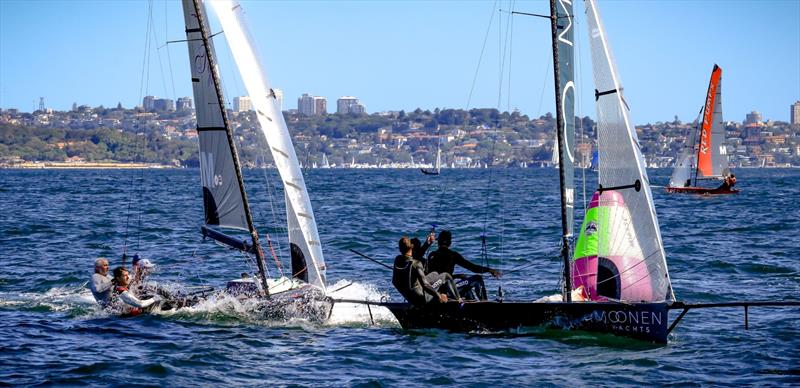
[(222, 196), (302, 226), (621, 164)]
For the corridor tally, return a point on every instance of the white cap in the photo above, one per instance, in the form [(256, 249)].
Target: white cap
[(145, 263)]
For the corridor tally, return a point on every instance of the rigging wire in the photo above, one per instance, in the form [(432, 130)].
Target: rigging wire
[(480, 58), (484, 253), (143, 83), (169, 58), (468, 117)]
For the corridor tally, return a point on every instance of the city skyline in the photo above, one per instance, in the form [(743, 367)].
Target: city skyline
[(403, 58)]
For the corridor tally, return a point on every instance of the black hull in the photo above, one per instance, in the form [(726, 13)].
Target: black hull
[(700, 190), (426, 172), (642, 321)]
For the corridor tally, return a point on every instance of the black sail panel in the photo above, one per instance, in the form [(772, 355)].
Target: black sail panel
[(566, 45), (222, 196)]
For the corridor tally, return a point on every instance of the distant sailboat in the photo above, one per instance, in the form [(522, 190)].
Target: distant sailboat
[(437, 167), (325, 163), (705, 158), (225, 200)]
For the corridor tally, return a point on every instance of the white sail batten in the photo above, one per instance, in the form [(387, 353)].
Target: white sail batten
[(222, 196), (301, 223), (621, 163)]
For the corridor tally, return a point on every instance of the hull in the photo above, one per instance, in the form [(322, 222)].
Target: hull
[(642, 321), (701, 190), (426, 172)]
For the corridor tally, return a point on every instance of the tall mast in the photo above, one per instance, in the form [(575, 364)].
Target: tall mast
[(565, 227), (237, 165)]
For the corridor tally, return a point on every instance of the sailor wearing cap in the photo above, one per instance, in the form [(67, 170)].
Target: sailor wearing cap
[(141, 269)]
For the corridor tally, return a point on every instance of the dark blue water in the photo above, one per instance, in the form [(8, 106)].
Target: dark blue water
[(53, 224)]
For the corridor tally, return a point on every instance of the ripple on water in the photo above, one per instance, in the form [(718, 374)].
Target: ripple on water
[(51, 329)]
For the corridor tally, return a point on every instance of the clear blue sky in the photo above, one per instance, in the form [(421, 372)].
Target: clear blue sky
[(406, 54)]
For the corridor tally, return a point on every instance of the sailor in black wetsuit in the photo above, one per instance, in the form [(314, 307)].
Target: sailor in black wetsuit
[(444, 260), (408, 276)]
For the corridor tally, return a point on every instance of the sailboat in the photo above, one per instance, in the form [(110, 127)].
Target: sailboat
[(617, 282), (225, 200), (437, 167), (325, 163), (706, 159)]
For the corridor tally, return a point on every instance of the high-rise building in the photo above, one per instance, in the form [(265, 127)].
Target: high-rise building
[(358, 109), (794, 114), (184, 104), (148, 103), (163, 105), (242, 104), (320, 106), (753, 117), (305, 105), (349, 104), (343, 104)]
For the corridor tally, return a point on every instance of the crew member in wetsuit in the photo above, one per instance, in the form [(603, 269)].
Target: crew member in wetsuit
[(444, 260), (408, 276), (131, 304)]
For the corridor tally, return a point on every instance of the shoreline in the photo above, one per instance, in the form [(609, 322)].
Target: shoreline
[(84, 165)]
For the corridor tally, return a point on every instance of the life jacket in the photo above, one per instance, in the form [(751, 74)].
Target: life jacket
[(130, 311)]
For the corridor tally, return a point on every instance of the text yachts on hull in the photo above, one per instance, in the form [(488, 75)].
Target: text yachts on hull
[(643, 321)]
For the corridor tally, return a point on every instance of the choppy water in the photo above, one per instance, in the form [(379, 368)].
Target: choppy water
[(54, 223)]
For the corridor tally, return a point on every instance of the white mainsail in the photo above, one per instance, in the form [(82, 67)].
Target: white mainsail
[(438, 165), (622, 164), (302, 226), (686, 162)]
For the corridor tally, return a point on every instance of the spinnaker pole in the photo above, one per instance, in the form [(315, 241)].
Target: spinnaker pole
[(229, 132)]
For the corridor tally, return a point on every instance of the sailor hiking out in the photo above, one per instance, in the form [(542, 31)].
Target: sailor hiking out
[(444, 261), (409, 277)]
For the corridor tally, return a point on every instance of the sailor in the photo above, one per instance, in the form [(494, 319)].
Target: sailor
[(408, 276), (101, 285), (444, 260), (728, 183), (420, 248), (131, 305), (141, 268)]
